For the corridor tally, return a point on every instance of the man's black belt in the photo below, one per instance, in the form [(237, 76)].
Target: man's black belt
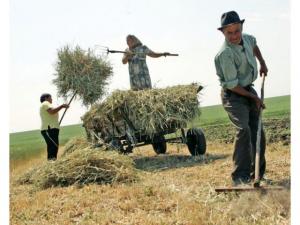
[(248, 87)]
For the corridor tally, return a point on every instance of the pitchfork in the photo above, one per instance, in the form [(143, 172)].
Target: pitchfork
[(106, 50)]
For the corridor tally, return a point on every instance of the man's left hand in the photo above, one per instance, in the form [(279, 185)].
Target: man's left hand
[(263, 69)]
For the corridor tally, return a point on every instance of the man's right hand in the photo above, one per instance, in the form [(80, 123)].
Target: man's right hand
[(65, 106), (242, 91)]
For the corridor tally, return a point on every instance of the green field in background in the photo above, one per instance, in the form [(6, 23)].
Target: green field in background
[(275, 107), (24, 145)]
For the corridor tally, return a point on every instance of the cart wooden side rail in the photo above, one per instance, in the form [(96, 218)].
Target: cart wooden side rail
[(124, 136)]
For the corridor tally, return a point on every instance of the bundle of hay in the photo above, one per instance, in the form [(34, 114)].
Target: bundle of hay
[(150, 111), (82, 73), (83, 166), (74, 144)]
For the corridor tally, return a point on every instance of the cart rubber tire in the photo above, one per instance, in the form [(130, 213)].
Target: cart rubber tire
[(195, 141), (128, 149), (159, 144)]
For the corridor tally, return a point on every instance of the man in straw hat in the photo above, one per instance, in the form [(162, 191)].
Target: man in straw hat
[(236, 68)]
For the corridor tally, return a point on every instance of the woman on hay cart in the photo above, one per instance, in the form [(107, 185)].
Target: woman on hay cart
[(136, 57)]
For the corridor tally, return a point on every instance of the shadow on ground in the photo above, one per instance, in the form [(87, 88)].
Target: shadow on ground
[(283, 183), (165, 162)]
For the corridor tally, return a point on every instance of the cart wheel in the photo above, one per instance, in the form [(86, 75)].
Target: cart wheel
[(195, 141), (159, 144), (128, 149)]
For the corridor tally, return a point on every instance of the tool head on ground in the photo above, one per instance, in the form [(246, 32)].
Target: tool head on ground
[(248, 188)]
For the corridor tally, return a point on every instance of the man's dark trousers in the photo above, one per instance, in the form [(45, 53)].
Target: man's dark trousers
[(243, 114), (51, 138)]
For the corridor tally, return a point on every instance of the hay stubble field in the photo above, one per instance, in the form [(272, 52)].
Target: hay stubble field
[(174, 188)]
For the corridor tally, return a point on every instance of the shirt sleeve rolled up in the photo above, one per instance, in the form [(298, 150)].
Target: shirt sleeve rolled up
[(226, 70), (252, 41)]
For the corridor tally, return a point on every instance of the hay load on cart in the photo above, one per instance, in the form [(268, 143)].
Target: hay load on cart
[(128, 119)]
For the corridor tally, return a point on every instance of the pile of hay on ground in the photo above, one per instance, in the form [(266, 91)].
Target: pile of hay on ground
[(82, 166), (150, 111), (76, 143), (81, 72)]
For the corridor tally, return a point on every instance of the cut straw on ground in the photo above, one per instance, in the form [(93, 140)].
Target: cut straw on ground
[(83, 165)]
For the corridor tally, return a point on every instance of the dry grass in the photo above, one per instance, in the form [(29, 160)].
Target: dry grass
[(74, 144), (173, 189), (81, 166)]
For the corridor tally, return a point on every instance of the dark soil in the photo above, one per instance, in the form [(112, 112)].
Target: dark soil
[(276, 129)]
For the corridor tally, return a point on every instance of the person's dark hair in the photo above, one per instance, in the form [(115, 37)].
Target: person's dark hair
[(136, 41), (44, 96)]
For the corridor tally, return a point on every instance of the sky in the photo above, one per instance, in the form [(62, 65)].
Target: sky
[(189, 28)]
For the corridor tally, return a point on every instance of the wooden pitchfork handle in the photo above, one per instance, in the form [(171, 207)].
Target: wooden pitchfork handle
[(117, 51), (171, 54), (67, 108), (258, 139)]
